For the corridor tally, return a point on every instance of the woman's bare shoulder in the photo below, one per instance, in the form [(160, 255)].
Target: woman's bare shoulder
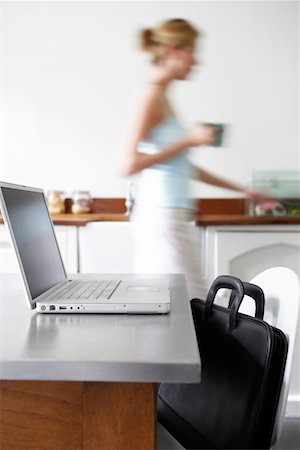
[(151, 103), (151, 95)]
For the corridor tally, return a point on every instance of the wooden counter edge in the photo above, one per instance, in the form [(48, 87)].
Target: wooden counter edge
[(200, 220), (215, 220), (81, 220)]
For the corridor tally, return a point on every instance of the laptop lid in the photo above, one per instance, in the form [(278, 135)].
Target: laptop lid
[(26, 214)]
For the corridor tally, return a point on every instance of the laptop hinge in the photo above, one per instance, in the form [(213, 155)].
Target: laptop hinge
[(56, 288)]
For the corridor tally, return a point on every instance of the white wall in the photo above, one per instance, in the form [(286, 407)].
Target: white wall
[(71, 73)]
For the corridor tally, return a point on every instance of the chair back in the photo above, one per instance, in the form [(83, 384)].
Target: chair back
[(282, 298)]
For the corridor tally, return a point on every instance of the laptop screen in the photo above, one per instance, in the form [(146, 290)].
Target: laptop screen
[(35, 239)]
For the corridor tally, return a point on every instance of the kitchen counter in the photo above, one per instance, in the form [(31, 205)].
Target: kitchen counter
[(201, 219), (244, 219), (98, 347), (89, 381), (81, 220), (211, 212)]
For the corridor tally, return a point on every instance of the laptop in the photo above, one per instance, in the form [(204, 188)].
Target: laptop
[(48, 289)]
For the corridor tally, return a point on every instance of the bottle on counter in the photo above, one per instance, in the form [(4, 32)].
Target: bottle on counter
[(129, 198), (56, 202), (82, 202)]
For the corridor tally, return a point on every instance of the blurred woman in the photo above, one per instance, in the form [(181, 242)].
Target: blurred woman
[(165, 239)]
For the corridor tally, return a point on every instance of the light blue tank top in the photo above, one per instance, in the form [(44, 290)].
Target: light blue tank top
[(165, 184)]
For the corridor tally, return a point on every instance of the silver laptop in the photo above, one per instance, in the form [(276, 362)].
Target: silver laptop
[(47, 287)]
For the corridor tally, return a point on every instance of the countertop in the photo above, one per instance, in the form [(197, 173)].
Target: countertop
[(244, 219), (211, 211), (84, 219), (97, 347), (200, 219)]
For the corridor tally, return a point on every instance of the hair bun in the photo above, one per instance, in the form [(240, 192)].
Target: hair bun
[(146, 39)]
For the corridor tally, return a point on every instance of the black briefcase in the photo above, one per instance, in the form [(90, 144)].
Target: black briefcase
[(243, 360)]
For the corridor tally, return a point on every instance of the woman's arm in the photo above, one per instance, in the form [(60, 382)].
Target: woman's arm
[(209, 178), (214, 180)]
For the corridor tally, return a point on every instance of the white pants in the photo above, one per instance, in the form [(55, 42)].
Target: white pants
[(165, 241)]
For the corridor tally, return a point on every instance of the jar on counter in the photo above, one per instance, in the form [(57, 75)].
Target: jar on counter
[(56, 202), (82, 202)]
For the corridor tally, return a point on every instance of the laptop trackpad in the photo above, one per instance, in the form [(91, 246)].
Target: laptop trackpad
[(143, 288)]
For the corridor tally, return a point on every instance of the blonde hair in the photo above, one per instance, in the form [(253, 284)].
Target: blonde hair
[(177, 33)]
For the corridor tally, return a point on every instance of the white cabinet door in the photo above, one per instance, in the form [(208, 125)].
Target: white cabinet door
[(8, 259), (246, 251), (106, 247), (67, 241)]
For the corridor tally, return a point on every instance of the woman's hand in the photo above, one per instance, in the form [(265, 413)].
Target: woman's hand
[(202, 134), (260, 196), (263, 199)]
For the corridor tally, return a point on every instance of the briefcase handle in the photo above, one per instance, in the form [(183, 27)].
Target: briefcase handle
[(255, 292), (239, 289), (223, 282)]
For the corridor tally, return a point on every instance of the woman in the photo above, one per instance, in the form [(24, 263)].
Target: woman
[(158, 150)]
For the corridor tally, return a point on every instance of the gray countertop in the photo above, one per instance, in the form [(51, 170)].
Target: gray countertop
[(97, 347)]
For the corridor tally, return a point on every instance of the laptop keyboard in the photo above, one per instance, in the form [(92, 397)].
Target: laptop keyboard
[(88, 289)]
